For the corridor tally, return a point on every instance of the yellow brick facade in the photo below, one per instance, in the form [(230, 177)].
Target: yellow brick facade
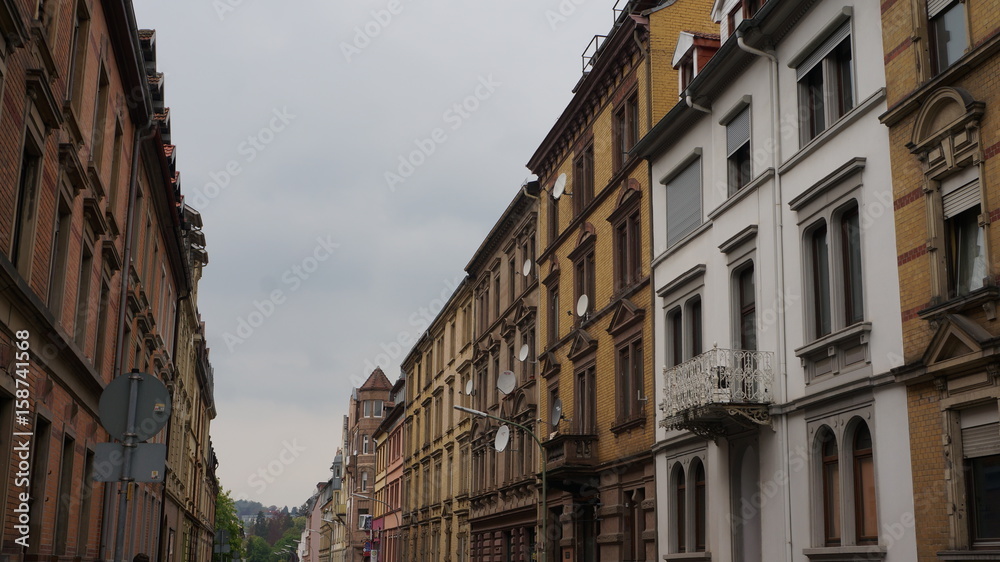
[(940, 376)]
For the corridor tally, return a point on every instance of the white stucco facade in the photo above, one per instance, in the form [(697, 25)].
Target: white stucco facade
[(765, 482)]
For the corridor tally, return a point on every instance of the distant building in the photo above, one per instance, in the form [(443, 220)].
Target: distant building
[(389, 455)]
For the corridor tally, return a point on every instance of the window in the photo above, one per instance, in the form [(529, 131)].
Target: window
[(626, 128), (684, 202), (78, 58), (736, 16), (585, 280), (865, 514), (699, 507), (83, 296), (949, 38), (511, 278), (553, 218), (964, 248), (850, 258), (628, 252), (583, 179), (680, 509), (60, 255), (747, 307), (100, 119), (364, 445), (826, 84), (831, 488), (694, 325), (496, 295), (684, 331), (26, 207), (675, 320), (586, 405), (553, 315), (368, 408), (377, 408), (981, 463), (819, 254), (738, 151), (630, 381), (66, 493)]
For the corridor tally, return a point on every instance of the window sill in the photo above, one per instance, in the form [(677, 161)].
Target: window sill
[(845, 553), (681, 243), (843, 351), (974, 299), (738, 196), (629, 424), (688, 556), (960, 555)]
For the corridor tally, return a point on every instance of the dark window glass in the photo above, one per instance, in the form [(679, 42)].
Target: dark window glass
[(821, 280), (866, 516), (948, 36), (851, 261)]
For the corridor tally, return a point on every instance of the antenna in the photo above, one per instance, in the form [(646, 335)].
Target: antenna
[(506, 382), (560, 187), (502, 439), (582, 306), (469, 388), (526, 270), (524, 352)]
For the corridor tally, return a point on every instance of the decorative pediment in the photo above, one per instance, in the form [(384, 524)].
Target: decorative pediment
[(550, 365), (946, 110), (583, 344), (958, 339), (95, 218), (507, 329), (43, 98), (524, 314), (584, 241), (626, 316), (629, 197), (70, 160), (553, 274)]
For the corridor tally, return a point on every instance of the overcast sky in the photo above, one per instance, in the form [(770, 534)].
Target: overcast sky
[(348, 158)]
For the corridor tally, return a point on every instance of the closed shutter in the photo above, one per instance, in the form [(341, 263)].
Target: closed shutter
[(738, 131), (823, 50), (960, 199), (935, 7), (981, 441), (684, 202)]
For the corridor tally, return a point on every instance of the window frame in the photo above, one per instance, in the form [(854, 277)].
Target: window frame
[(674, 178), (583, 178), (739, 157), (934, 48), (823, 67), (625, 127)]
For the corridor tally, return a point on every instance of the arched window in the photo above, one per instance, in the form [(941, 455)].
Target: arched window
[(699, 507), (831, 487), (865, 514), (680, 511)]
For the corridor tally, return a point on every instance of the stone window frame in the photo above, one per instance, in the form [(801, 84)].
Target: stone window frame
[(842, 422), (686, 461), (677, 296), (956, 488), (845, 349)]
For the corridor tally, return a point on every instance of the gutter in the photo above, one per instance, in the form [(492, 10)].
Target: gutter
[(779, 262)]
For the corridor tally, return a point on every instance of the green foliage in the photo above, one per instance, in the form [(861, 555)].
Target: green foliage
[(227, 520), (258, 550)]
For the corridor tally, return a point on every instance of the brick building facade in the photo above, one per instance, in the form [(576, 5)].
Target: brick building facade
[(941, 69)]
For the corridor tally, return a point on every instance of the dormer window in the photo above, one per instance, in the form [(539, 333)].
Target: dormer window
[(693, 51)]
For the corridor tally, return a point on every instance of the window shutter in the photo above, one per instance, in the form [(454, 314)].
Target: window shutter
[(935, 7), (824, 49), (981, 441), (963, 198), (738, 131), (684, 202)]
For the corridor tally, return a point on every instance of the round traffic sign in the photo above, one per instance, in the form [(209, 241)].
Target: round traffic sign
[(152, 406)]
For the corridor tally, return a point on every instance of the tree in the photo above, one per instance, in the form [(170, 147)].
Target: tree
[(260, 525), (229, 523), (258, 550)]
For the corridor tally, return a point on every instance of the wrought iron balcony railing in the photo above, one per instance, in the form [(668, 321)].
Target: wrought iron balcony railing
[(718, 377)]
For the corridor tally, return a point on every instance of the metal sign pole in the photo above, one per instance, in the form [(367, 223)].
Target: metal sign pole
[(133, 393)]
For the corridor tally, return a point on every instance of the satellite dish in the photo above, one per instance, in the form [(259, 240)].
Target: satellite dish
[(582, 305), (506, 382), (526, 270), (468, 387), (502, 439), (523, 353), (560, 187), (556, 415)]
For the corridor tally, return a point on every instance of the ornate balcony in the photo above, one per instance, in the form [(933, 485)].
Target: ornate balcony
[(718, 392), (571, 450)]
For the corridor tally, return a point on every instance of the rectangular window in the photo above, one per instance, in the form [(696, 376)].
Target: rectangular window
[(553, 314), (364, 445), (826, 84), (850, 247), (626, 128), (586, 402), (116, 167), (102, 326), (38, 472), (948, 34), (965, 252), (676, 342), (26, 207), (553, 218), (78, 57), (66, 493), (738, 151), (747, 309), (377, 409), (496, 295), (981, 456), (684, 203), (100, 119), (368, 408), (60, 255), (820, 260), (511, 278), (585, 281), (83, 296), (583, 179), (627, 252), (694, 326), (87, 487), (630, 381)]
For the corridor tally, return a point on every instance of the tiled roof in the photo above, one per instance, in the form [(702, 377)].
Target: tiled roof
[(168, 149), (146, 33), (703, 35), (162, 116), (377, 381)]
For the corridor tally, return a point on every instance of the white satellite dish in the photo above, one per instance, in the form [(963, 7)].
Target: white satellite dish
[(506, 382), (556, 415), (560, 186), (522, 354), (468, 387), (582, 305), (502, 439), (526, 270)]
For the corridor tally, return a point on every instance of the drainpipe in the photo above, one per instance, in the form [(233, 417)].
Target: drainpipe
[(689, 100), (779, 265)]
